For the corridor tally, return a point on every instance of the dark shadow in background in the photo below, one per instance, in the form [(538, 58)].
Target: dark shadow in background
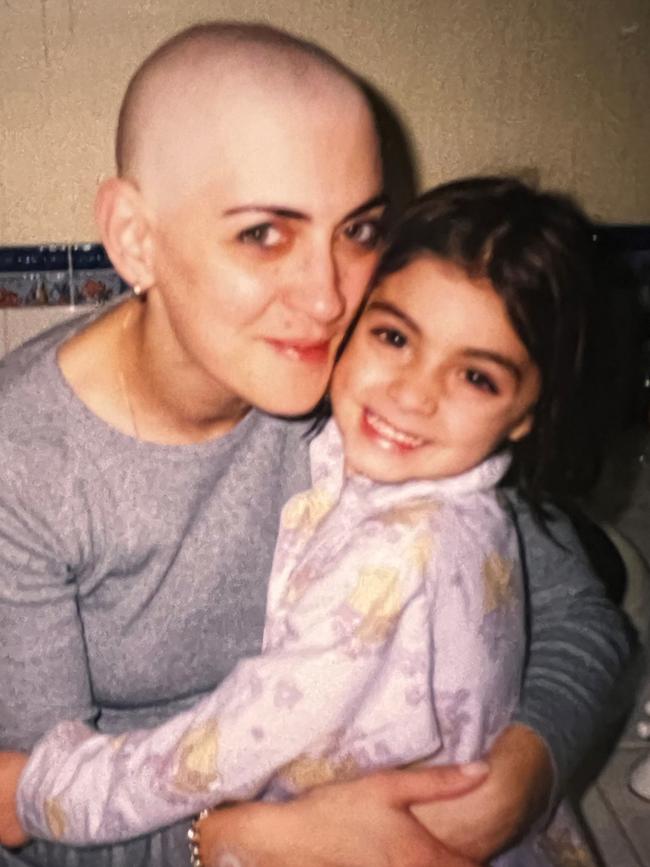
[(400, 173)]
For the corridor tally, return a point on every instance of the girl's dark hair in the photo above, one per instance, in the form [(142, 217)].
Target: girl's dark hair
[(537, 250)]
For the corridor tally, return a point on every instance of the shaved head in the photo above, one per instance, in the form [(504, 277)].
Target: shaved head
[(191, 90), (249, 208)]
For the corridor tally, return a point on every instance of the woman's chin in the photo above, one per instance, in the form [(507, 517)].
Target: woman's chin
[(291, 406)]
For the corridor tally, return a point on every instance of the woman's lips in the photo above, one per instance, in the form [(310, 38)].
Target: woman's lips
[(386, 435), (311, 353)]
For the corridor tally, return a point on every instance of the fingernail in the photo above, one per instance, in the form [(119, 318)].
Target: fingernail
[(474, 769)]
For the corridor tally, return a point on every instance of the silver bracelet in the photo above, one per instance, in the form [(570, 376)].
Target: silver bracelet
[(193, 839)]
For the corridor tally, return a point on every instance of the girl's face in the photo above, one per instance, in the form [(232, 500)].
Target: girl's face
[(434, 378)]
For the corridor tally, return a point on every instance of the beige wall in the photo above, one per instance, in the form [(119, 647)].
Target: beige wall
[(561, 86)]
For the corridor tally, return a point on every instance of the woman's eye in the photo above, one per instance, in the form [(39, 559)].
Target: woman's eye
[(481, 381), (366, 233), (262, 235), (391, 337)]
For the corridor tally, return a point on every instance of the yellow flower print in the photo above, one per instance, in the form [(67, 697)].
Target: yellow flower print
[(117, 741), (55, 818), (197, 756), (420, 552), (409, 514), (377, 599), (497, 574), (305, 772), (305, 511)]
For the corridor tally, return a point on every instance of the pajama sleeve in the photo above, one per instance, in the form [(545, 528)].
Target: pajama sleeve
[(320, 666)]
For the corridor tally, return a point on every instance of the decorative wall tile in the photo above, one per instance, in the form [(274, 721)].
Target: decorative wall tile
[(56, 274), (34, 276), (93, 279)]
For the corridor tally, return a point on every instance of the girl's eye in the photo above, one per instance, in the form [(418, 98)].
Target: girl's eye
[(481, 381), (365, 233), (391, 337), (262, 235)]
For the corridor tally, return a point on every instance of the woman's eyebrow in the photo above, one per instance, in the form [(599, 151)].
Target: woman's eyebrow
[(377, 201), (277, 210), (387, 307), (293, 214)]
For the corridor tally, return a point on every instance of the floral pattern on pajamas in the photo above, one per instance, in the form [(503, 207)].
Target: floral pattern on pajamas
[(394, 634)]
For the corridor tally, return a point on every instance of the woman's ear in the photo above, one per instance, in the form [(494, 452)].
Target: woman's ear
[(522, 428), (126, 231)]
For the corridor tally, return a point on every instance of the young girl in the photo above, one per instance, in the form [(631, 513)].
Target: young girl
[(395, 619)]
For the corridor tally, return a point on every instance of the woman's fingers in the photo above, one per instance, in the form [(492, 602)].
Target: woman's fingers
[(493, 816), (419, 785), (365, 823), (11, 767)]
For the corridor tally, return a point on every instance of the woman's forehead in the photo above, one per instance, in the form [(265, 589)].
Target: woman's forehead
[(296, 160), (255, 142)]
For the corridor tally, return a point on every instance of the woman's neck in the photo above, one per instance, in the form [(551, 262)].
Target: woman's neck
[(145, 387)]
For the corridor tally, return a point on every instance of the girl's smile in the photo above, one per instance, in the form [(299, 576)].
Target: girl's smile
[(434, 378), (387, 436)]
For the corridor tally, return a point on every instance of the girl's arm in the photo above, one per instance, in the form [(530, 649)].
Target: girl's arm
[(554, 575), (579, 650), (81, 787)]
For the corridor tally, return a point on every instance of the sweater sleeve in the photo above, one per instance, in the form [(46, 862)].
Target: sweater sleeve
[(579, 646), (43, 662)]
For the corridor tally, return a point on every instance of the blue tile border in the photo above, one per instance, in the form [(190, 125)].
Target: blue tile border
[(72, 274), (57, 274)]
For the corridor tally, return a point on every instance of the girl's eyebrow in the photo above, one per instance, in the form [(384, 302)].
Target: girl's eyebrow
[(387, 307), (292, 214), (471, 352), (496, 357)]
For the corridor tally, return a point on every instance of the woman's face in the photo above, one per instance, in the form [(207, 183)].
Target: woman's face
[(260, 268), (434, 378)]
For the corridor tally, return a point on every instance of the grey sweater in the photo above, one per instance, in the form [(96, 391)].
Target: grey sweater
[(133, 577)]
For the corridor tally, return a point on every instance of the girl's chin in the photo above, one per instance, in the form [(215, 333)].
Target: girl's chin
[(380, 471)]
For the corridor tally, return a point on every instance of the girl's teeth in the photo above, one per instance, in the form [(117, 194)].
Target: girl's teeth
[(386, 430)]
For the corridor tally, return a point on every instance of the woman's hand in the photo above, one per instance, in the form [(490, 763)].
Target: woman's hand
[(503, 808), (365, 823), (11, 767)]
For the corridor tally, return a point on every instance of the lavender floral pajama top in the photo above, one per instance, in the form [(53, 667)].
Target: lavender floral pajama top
[(394, 634)]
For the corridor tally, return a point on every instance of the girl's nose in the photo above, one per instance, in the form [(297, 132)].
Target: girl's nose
[(415, 392)]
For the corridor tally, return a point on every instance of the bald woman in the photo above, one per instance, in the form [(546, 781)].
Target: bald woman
[(147, 456)]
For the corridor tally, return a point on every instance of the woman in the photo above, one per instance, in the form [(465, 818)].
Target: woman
[(139, 507)]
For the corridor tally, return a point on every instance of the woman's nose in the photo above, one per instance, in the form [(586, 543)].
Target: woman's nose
[(316, 288)]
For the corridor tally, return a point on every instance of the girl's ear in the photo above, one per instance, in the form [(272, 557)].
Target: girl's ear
[(126, 231), (522, 428)]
